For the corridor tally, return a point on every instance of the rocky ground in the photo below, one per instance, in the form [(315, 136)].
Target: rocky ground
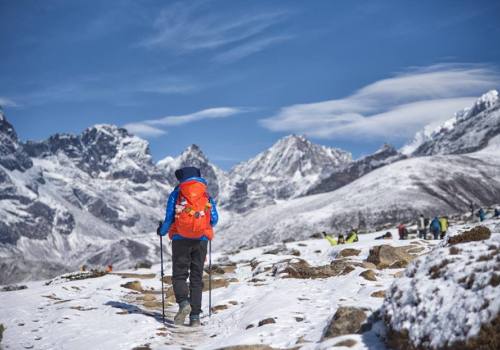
[(304, 294)]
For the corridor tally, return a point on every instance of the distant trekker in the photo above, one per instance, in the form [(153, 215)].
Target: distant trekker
[(482, 214), (352, 236), (435, 227), (189, 218), (444, 225), (402, 231), (497, 212), (422, 227)]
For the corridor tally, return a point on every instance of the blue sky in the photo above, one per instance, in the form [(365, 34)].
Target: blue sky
[(234, 76)]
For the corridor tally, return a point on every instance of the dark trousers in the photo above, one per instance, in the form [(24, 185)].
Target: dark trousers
[(188, 257)]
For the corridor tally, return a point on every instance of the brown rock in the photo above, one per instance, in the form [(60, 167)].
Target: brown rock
[(478, 233), (344, 253), (134, 285), (368, 265), (368, 275), (299, 268), (347, 320), (378, 294), (266, 321), (385, 255), (348, 343), (218, 308)]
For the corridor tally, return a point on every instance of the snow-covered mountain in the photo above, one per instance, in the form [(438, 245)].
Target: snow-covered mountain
[(468, 131), (288, 169), (76, 199)]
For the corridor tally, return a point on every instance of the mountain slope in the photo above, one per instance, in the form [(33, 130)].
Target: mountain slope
[(354, 170), (398, 192)]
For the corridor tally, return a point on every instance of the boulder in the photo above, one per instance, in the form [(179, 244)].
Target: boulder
[(13, 287), (344, 253), (384, 256), (298, 268), (266, 321), (134, 285), (378, 294), (368, 275), (2, 329), (347, 320)]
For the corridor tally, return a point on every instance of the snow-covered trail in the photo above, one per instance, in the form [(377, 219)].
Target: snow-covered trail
[(98, 313)]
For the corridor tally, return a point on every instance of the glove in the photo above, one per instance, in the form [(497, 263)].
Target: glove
[(158, 230)]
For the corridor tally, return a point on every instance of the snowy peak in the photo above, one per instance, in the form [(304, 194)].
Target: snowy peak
[(193, 156), (293, 156), (12, 154), (467, 131)]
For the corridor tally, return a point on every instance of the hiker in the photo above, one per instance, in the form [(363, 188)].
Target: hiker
[(352, 236), (386, 235), (444, 225), (482, 214), (341, 239), (435, 227), (497, 212), (190, 216), (402, 231), (471, 206), (422, 227), (332, 240)]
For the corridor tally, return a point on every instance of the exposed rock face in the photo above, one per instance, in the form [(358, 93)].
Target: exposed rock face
[(344, 253), (387, 256), (12, 154), (347, 320)]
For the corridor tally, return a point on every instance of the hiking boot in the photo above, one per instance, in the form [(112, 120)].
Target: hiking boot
[(184, 310), (194, 321)]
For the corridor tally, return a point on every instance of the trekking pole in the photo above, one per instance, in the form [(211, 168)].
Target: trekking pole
[(209, 278), (162, 294)]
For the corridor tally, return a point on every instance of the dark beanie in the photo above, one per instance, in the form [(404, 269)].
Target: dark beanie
[(187, 172)]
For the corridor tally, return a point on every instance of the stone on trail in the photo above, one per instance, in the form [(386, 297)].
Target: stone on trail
[(347, 320), (384, 256), (266, 321), (134, 285), (368, 275), (378, 294), (344, 253)]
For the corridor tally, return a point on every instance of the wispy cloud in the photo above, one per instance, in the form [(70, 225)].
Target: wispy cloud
[(393, 108), (155, 127), (187, 27), (120, 89), (7, 102)]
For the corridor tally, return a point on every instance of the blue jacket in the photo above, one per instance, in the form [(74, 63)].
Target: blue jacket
[(170, 211), (435, 225)]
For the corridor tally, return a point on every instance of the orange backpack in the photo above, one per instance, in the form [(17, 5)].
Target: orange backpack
[(192, 212)]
